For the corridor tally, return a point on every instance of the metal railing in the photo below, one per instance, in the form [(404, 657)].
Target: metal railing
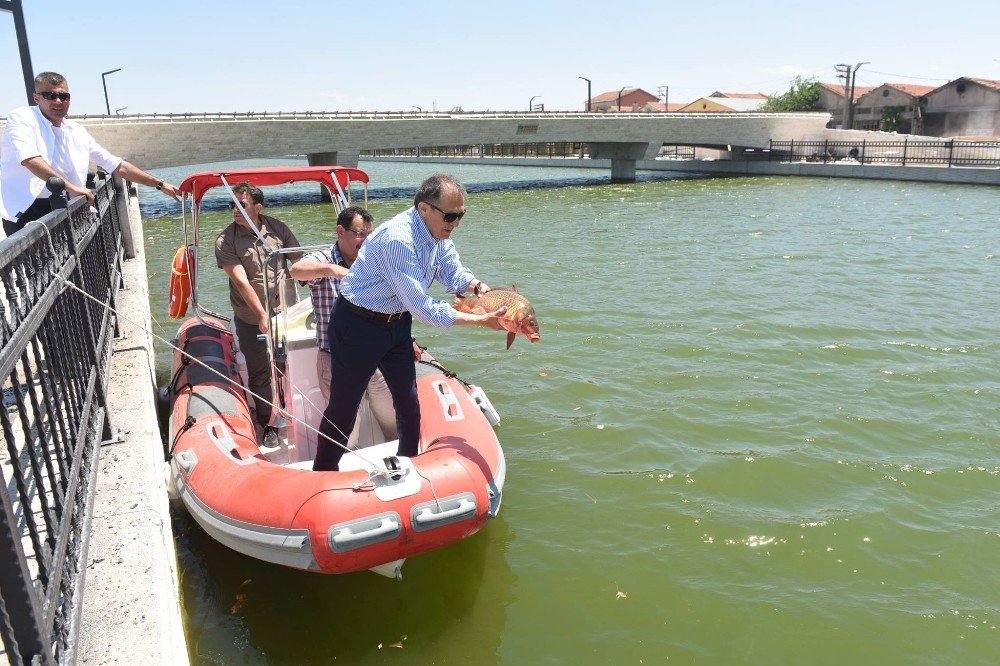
[(255, 116), (55, 350), (945, 152)]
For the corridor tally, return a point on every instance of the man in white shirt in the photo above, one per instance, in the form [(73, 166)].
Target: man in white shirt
[(39, 142)]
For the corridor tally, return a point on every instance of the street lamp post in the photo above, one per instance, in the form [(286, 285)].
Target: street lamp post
[(118, 112), (419, 110), (104, 80), (531, 101), (854, 77), (588, 91), (620, 98), (14, 7)]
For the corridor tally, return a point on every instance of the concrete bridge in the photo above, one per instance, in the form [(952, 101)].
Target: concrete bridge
[(336, 138)]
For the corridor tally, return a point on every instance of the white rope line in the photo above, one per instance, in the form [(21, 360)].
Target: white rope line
[(340, 191), (68, 283)]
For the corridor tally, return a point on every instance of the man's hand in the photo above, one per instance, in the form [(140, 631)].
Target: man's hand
[(486, 320), (171, 191), (77, 191), (417, 351), (262, 321), (491, 320), (478, 287)]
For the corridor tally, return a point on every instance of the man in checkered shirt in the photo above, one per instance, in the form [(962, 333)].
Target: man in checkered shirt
[(323, 270)]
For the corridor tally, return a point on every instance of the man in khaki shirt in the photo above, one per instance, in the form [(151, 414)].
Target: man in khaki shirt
[(241, 254)]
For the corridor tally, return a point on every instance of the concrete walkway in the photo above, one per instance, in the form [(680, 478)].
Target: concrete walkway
[(841, 169), (131, 601)]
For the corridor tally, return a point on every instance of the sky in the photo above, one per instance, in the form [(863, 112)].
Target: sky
[(327, 55)]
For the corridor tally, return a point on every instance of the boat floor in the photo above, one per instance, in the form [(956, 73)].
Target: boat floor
[(368, 459)]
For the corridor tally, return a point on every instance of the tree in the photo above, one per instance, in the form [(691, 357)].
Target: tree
[(892, 119), (804, 95)]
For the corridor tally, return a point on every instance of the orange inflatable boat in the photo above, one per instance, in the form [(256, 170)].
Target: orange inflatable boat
[(378, 510)]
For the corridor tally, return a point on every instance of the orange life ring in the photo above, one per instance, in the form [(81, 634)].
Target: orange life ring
[(180, 284)]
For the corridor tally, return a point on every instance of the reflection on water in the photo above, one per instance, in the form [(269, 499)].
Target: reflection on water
[(241, 610)]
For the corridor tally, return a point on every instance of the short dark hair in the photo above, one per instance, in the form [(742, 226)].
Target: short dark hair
[(50, 78), (431, 189), (251, 190), (346, 217)]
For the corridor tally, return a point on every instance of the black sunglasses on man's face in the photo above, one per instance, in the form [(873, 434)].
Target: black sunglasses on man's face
[(448, 217), (49, 95)]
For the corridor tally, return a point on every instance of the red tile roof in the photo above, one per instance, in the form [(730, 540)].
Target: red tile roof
[(612, 96), (838, 89), (989, 83), (911, 89)]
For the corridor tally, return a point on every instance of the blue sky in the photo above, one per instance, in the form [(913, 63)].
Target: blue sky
[(181, 55)]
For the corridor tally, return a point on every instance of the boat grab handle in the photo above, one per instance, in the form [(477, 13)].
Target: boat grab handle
[(346, 537), (427, 516), (363, 532), (186, 460), (448, 510)]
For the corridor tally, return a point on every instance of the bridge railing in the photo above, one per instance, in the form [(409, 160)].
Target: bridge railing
[(55, 350), (544, 150), (945, 152), (418, 115)]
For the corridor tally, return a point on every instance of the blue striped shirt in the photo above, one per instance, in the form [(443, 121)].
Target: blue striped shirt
[(397, 264)]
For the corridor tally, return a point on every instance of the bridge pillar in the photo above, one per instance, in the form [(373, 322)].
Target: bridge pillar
[(622, 171), (347, 158), (623, 157)]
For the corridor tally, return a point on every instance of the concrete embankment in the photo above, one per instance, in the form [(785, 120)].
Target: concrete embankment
[(131, 604), (842, 169)]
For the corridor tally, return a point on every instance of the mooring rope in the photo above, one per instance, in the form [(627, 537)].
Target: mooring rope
[(379, 467)]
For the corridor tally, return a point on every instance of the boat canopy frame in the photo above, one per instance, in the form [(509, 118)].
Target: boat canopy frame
[(337, 181)]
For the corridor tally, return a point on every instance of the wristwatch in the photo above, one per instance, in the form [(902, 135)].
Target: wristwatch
[(159, 185)]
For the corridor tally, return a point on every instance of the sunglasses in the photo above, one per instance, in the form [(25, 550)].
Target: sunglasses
[(49, 95), (448, 217), (232, 205), (359, 234)]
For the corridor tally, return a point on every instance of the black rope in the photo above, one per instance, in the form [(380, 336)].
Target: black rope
[(445, 371), (188, 424)]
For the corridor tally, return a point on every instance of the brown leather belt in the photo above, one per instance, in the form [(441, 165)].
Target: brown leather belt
[(371, 314)]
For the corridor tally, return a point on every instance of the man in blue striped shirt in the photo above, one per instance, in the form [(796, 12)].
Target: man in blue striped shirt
[(371, 323), (323, 270)]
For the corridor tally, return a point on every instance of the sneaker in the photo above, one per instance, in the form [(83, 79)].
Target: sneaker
[(270, 437)]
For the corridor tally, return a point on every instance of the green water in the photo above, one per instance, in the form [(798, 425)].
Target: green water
[(761, 427)]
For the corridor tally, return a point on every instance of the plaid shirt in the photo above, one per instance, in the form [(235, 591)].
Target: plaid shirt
[(323, 292)]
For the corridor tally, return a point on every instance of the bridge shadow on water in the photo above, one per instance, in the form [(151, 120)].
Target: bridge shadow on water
[(450, 607)]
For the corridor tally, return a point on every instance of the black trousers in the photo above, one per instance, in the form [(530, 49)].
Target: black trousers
[(258, 366), (357, 347), (40, 208)]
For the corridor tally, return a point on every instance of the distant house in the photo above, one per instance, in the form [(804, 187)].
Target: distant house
[(632, 99), (728, 95), (963, 107), (891, 107), (831, 100), (724, 104), (660, 107)]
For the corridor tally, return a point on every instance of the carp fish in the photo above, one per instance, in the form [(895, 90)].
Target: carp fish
[(519, 318)]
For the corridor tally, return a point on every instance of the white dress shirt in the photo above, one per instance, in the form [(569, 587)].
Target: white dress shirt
[(69, 149)]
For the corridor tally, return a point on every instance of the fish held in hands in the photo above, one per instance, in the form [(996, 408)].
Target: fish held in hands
[(520, 315)]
